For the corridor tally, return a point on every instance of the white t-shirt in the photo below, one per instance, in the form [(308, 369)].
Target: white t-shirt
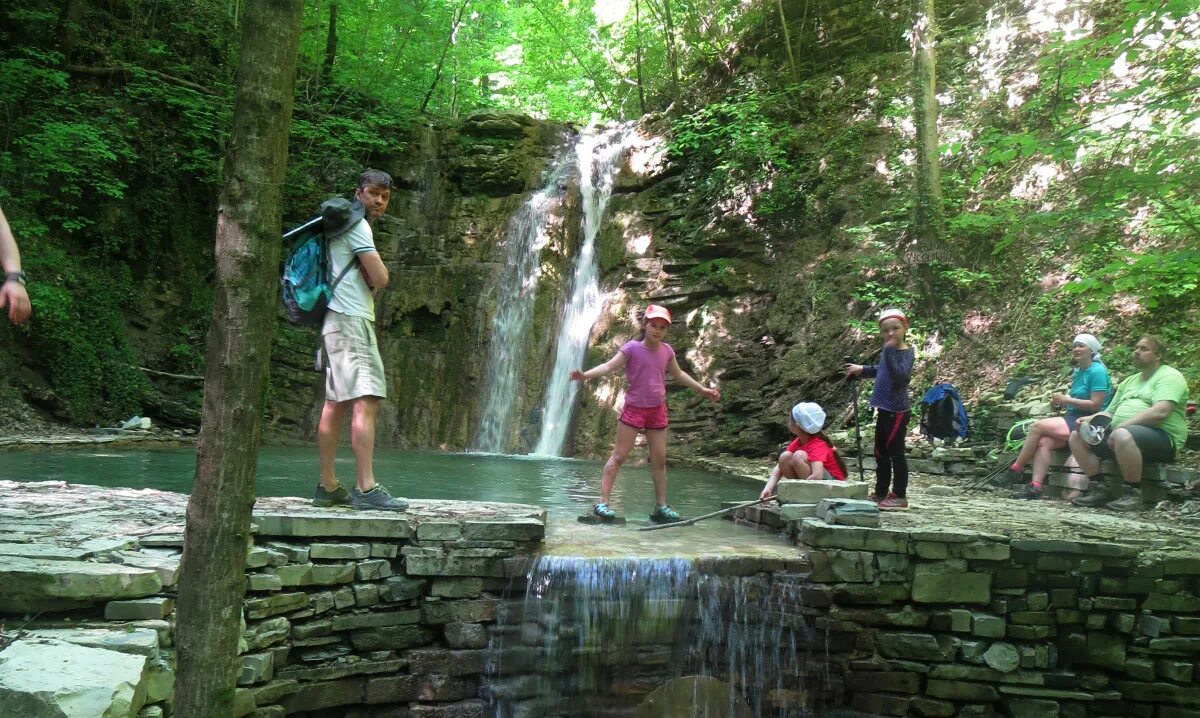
[(352, 296)]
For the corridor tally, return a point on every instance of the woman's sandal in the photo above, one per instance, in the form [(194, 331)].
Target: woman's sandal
[(604, 511)]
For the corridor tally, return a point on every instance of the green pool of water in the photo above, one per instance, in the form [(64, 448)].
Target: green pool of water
[(565, 487)]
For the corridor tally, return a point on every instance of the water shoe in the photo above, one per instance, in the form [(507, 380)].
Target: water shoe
[(665, 515)]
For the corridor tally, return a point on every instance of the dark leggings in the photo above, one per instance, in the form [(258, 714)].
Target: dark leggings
[(890, 429)]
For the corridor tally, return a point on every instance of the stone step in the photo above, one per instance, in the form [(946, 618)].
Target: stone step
[(33, 585)]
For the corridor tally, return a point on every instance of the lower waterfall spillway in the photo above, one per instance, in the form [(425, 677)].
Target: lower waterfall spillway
[(609, 636)]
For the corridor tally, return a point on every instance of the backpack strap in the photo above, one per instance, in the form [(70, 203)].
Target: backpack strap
[(341, 275)]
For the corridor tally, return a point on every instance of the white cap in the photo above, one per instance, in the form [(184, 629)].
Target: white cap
[(808, 416), (1090, 342)]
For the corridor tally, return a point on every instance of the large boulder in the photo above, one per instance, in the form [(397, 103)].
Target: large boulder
[(42, 678)]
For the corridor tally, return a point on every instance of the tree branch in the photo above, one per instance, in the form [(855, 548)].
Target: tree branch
[(133, 69)]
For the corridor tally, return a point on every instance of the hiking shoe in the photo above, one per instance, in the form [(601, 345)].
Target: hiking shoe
[(337, 497), (1132, 502), (377, 498), (1102, 493), (665, 515), (893, 503), (1015, 477), (1029, 492), (604, 511)]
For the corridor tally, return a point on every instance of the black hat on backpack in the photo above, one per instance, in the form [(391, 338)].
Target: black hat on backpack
[(340, 214)]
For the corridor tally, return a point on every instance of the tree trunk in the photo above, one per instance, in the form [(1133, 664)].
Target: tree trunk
[(212, 582), (637, 23), (927, 204), (330, 47), (787, 41), (69, 17), (437, 75), (672, 56)]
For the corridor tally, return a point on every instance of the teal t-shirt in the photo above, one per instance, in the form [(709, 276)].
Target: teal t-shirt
[(1135, 396), (1085, 381)]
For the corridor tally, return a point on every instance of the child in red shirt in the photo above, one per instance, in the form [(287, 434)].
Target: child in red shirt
[(810, 455)]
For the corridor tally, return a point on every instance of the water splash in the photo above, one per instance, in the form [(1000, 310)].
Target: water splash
[(527, 234), (601, 636), (597, 155)]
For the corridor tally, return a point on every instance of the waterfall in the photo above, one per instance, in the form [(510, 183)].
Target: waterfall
[(597, 155), (601, 636), (526, 235)]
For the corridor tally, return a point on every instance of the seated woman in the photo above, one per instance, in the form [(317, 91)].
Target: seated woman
[(1091, 389)]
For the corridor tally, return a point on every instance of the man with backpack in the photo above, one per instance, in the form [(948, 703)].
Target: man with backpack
[(354, 377)]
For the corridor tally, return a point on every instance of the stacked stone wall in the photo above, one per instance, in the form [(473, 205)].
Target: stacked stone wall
[(958, 623)]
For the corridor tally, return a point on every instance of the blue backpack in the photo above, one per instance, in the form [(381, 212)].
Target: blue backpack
[(306, 284), (943, 415)]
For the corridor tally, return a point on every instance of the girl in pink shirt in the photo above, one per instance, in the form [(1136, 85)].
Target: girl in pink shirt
[(647, 360), (810, 455)]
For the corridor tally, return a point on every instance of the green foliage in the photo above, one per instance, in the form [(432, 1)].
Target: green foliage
[(82, 343), (743, 150)]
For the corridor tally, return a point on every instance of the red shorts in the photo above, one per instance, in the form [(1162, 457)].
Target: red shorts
[(647, 418)]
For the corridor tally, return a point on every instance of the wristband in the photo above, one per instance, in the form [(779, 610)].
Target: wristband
[(17, 276)]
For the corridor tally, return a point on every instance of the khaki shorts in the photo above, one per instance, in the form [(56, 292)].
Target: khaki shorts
[(353, 367)]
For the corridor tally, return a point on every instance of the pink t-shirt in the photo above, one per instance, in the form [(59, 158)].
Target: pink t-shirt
[(646, 373)]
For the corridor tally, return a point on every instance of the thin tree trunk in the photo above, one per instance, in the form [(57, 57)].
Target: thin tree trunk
[(787, 41), (637, 23), (68, 28), (437, 75), (330, 46), (212, 582), (672, 56), (927, 204)]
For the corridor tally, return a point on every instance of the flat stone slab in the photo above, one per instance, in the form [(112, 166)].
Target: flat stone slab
[(33, 585), (298, 518), (44, 677), (811, 492), (594, 520), (43, 550), (138, 641)]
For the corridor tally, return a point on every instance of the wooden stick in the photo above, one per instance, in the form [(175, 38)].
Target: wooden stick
[(689, 522), (188, 377)]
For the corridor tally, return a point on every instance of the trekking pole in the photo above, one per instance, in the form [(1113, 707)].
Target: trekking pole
[(689, 522), (857, 428)]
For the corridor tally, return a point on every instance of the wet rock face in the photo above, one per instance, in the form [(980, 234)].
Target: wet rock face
[(443, 240)]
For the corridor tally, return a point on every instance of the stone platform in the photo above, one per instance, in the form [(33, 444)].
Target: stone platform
[(89, 574)]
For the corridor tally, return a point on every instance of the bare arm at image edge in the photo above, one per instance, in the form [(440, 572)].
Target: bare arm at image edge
[(12, 294)]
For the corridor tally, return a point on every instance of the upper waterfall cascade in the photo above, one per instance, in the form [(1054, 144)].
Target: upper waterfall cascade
[(598, 156)]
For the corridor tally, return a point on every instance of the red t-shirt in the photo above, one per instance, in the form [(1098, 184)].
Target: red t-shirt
[(818, 450)]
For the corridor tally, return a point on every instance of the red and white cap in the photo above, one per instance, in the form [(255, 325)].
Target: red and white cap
[(893, 313), (656, 311)]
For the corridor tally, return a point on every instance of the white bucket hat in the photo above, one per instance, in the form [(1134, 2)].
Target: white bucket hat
[(808, 416)]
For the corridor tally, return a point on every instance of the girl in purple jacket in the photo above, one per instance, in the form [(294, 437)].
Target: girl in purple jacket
[(890, 401)]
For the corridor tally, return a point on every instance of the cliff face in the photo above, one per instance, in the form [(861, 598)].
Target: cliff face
[(444, 240)]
